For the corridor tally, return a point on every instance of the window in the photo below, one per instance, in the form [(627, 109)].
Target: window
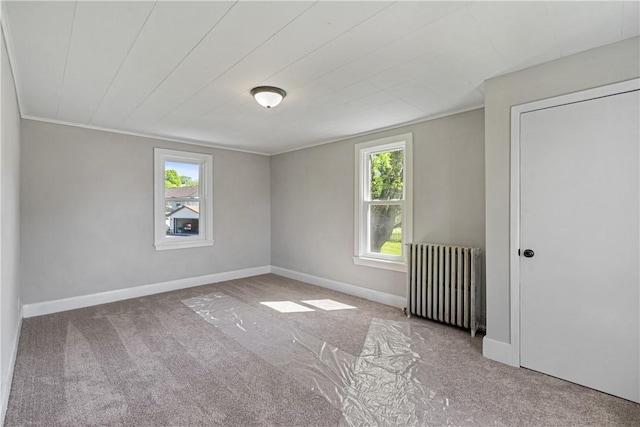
[(182, 199), (383, 211)]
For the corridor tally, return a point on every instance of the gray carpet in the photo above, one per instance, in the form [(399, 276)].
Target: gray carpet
[(154, 362)]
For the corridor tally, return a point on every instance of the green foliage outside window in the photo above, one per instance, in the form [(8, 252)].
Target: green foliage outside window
[(386, 184), (386, 175), (187, 181), (171, 179)]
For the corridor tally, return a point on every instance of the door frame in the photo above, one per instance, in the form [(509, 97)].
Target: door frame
[(514, 203)]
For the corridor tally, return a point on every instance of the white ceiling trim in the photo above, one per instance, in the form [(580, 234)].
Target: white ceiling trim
[(383, 129), (224, 147), (142, 135)]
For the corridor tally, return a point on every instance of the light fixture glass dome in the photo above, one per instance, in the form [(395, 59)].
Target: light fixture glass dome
[(268, 96)]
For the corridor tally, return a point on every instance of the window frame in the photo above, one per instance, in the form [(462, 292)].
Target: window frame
[(362, 253), (205, 199)]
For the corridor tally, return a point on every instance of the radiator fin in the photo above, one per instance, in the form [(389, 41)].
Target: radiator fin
[(442, 283)]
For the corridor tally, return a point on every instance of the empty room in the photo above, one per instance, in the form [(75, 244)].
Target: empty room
[(320, 213)]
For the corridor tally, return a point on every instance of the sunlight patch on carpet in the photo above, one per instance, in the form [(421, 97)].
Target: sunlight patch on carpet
[(286, 306), (328, 304)]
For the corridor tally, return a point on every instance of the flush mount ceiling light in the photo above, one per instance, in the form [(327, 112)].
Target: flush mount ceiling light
[(268, 96)]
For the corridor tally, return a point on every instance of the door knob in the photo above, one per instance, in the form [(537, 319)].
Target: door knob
[(528, 253)]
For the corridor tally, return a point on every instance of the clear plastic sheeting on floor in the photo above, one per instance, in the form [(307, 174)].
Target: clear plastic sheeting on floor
[(380, 387)]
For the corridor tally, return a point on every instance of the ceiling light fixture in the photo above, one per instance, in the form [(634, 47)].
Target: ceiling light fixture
[(268, 96)]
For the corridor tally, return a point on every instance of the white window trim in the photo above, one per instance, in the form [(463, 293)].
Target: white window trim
[(205, 194), (362, 256)]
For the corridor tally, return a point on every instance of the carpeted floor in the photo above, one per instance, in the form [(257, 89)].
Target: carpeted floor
[(155, 362)]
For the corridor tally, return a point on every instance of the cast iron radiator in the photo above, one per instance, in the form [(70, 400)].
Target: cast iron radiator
[(443, 281)]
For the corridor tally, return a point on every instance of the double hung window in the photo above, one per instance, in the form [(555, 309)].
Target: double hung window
[(383, 202), (182, 200)]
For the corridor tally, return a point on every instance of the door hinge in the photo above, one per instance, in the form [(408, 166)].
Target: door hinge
[(518, 252)]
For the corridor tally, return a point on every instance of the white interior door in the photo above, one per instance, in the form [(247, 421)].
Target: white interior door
[(580, 214)]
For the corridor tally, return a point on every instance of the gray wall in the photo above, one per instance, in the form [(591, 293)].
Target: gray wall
[(87, 213), (589, 69), (312, 205), (9, 221)]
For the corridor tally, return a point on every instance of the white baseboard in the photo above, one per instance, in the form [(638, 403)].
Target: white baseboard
[(358, 291), (56, 306), (5, 389), (498, 351)]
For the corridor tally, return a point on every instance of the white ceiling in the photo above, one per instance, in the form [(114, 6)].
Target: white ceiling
[(183, 70)]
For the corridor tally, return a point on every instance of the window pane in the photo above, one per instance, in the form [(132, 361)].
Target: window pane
[(182, 207), (386, 175), (179, 174), (183, 191), (183, 218), (385, 229)]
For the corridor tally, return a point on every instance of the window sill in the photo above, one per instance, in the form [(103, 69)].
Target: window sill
[(381, 263), (164, 246)]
